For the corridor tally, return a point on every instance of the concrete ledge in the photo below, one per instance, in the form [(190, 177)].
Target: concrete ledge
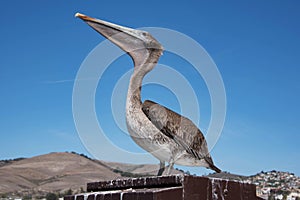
[(174, 187)]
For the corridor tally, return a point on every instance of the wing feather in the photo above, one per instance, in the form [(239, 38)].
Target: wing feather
[(182, 130)]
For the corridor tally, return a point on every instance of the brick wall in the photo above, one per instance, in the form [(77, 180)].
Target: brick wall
[(174, 187)]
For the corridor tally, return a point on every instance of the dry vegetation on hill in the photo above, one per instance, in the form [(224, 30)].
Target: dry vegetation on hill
[(60, 172)]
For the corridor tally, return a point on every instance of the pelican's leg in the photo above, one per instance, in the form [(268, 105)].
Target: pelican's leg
[(171, 164), (161, 168)]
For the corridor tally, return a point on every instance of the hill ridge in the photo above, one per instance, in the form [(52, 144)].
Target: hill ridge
[(61, 171)]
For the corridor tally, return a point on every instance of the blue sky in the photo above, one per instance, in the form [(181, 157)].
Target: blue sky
[(255, 45)]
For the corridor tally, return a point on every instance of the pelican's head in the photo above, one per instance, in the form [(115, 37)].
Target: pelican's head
[(137, 43)]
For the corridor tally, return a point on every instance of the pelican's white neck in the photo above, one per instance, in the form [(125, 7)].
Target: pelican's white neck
[(135, 85)]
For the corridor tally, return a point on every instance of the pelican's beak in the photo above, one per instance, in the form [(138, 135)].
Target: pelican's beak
[(137, 43), (127, 39)]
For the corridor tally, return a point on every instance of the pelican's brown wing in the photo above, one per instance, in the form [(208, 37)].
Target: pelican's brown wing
[(182, 130)]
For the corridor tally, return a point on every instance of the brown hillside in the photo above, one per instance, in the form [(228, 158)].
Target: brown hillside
[(52, 172), (59, 172)]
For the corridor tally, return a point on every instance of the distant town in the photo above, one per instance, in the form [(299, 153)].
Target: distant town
[(276, 185)]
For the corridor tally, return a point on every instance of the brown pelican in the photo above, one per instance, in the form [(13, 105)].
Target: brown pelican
[(167, 135)]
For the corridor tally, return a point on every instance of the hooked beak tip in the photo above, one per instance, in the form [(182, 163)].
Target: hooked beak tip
[(83, 17), (79, 15)]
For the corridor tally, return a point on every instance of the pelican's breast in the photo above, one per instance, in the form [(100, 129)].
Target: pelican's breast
[(146, 135)]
